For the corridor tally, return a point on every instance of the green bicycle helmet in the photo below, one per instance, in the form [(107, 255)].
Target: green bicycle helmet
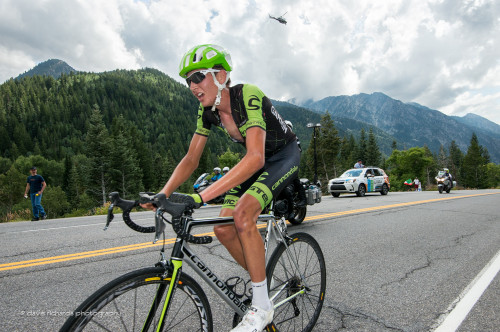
[(204, 57)]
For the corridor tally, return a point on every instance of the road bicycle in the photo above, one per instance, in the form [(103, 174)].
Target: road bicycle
[(165, 298)]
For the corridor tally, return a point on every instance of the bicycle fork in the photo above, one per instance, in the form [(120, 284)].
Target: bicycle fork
[(173, 274)]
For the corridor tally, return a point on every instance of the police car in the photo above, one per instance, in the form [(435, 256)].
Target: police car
[(360, 181)]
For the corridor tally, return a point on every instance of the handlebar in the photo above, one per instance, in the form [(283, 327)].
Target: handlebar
[(177, 205)]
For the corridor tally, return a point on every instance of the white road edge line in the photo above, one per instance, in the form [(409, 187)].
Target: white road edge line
[(463, 304)]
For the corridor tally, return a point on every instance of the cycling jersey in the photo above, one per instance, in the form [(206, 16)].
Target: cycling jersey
[(250, 108)]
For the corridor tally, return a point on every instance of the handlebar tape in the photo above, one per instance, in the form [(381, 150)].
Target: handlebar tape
[(127, 206)]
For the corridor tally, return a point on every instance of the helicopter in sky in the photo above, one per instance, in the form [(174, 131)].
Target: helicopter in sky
[(279, 19)]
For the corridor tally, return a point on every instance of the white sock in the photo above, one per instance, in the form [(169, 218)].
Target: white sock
[(260, 297)]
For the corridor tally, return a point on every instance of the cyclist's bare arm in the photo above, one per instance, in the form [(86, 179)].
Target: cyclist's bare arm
[(253, 160)]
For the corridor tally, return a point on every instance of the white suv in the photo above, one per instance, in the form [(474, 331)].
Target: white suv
[(360, 181)]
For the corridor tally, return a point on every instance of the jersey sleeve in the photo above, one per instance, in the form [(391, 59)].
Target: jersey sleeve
[(202, 126), (253, 98)]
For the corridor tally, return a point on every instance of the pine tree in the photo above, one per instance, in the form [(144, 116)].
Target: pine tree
[(474, 165), (328, 148), (124, 166), (373, 154), (68, 165), (98, 147), (362, 146), (394, 145), (456, 158), (442, 158)]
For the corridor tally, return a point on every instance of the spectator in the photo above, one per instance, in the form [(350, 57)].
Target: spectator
[(359, 164), (417, 184), (36, 185)]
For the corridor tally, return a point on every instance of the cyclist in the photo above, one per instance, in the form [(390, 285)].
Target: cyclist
[(270, 163), (217, 175)]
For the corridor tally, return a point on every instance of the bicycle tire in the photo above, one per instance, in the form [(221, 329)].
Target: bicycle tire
[(124, 303), (301, 313)]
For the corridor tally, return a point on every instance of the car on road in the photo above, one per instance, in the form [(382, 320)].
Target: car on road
[(360, 181)]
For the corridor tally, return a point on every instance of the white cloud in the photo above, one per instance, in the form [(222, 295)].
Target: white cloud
[(440, 53)]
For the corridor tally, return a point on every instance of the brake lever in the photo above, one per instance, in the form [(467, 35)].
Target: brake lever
[(110, 216), (159, 224)]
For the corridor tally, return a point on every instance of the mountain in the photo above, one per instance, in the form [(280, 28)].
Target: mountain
[(52, 67), (481, 124), (412, 124)]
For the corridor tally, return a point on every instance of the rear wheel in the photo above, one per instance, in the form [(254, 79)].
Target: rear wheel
[(385, 189), (299, 271), (135, 302), (299, 213)]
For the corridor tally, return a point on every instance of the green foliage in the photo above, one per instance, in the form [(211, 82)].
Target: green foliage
[(12, 186), (493, 173), (403, 165), (474, 170), (55, 202), (229, 159)]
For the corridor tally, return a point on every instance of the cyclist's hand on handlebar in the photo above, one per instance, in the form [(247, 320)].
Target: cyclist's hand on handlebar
[(197, 200), (194, 201), (145, 201), (148, 206)]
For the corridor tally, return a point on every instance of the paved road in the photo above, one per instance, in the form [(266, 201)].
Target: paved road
[(395, 263)]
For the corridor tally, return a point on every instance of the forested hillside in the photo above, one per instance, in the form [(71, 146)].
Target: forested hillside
[(90, 134), (127, 129)]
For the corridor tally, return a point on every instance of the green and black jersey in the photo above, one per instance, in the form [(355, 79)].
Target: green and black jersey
[(250, 108)]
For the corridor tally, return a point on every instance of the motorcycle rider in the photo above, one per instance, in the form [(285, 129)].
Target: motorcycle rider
[(225, 170), (448, 176), (217, 175)]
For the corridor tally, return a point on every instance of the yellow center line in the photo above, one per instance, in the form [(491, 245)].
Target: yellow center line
[(108, 251)]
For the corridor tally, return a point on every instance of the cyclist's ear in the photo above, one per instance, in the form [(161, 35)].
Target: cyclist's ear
[(221, 76)]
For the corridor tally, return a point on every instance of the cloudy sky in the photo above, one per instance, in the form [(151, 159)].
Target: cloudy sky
[(443, 54)]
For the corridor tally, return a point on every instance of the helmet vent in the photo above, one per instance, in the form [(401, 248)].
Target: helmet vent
[(210, 54)]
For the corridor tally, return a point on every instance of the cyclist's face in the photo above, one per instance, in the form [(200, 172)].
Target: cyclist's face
[(205, 90)]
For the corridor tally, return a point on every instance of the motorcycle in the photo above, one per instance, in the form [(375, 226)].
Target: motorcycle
[(202, 183), (444, 183), (287, 203)]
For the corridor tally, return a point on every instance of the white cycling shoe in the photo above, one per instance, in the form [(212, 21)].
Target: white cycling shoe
[(255, 320)]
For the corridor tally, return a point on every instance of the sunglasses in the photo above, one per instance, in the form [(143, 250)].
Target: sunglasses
[(199, 76)]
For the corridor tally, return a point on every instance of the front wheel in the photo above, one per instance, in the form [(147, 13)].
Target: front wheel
[(335, 194), (135, 301), (361, 190), (299, 213), (297, 277), (440, 188)]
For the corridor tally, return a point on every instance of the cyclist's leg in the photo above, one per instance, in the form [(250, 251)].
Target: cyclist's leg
[(227, 234), (245, 216), (277, 173)]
